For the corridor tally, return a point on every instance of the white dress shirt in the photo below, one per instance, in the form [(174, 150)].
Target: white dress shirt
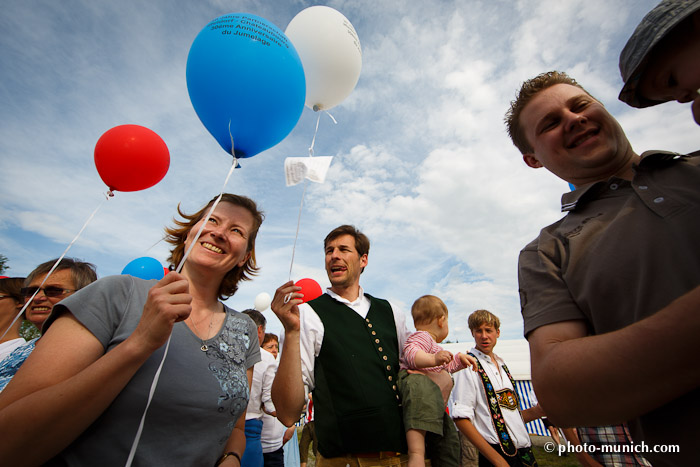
[(260, 389)]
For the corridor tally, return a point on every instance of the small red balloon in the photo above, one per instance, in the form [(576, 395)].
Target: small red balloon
[(165, 271), (131, 158), (309, 288)]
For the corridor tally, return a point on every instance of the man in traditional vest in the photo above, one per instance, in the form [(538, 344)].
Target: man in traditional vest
[(484, 403), (343, 345)]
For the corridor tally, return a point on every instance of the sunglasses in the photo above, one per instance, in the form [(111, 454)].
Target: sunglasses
[(50, 291)]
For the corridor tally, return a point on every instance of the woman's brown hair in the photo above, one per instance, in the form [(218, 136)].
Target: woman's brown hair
[(176, 236)]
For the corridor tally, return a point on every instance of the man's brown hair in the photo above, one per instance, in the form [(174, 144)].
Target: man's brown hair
[(361, 240)]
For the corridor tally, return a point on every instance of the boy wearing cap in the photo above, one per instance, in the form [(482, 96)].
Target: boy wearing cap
[(661, 60)]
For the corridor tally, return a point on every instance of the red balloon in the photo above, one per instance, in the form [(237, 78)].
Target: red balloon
[(309, 288), (165, 271), (131, 158)]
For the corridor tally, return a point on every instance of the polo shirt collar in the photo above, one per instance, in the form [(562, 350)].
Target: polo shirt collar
[(571, 200)]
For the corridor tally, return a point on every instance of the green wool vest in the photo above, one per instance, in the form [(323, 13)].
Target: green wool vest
[(356, 401)]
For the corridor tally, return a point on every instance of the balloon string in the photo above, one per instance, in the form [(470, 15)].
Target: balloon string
[(55, 265), (153, 246), (132, 453), (165, 353), (297, 233), (301, 205), (313, 140), (331, 116)]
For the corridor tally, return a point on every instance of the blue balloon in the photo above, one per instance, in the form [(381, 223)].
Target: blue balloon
[(246, 82), (145, 268)]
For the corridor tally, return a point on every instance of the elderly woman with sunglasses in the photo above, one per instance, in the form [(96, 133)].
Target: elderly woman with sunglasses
[(87, 383), (70, 275)]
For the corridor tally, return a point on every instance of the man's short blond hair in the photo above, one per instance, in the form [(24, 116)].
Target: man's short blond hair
[(427, 309), (481, 317)]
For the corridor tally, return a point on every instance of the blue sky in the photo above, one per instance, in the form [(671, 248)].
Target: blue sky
[(422, 163)]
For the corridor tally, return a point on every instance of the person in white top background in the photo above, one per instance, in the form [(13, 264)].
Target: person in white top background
[(260, 400), (10, 303)]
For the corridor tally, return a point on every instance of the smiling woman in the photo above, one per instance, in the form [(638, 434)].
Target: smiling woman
[(178, 235), (103, 345)]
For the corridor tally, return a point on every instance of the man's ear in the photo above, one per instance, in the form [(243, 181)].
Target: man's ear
[(532, 161), (364, 259)]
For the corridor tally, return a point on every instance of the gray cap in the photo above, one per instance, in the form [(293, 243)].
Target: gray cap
[(654, 27)]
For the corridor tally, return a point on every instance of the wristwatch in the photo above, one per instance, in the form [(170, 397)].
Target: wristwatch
[(230, 453)]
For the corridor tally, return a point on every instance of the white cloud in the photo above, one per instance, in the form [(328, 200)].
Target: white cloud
[(422, 160)]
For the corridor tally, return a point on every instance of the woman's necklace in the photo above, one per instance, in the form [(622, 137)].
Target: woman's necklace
[(204, 346)]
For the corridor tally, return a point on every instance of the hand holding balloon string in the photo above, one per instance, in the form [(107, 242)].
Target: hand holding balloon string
[(285, 305), (168, 302)]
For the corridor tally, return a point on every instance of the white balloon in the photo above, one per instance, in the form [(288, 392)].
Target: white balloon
[(262, 301), (330, 53)]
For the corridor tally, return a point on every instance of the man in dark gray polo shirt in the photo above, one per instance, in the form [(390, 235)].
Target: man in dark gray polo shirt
[(609, 293)]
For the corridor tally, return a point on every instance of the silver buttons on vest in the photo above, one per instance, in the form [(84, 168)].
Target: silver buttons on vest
[(385, 358)]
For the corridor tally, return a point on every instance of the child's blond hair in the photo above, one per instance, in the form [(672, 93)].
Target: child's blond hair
[(427, 309), (481, 317)]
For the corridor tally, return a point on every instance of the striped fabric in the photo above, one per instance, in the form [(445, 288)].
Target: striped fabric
[(525, 391)]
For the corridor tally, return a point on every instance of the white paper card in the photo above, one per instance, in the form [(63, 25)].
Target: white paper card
[(313, 168)]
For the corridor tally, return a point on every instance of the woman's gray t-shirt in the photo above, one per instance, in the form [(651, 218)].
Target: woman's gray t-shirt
[(199, 395)]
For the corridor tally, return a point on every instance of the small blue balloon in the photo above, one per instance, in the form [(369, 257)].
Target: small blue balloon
[(145, 268), (246, 83), (572, 187)]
